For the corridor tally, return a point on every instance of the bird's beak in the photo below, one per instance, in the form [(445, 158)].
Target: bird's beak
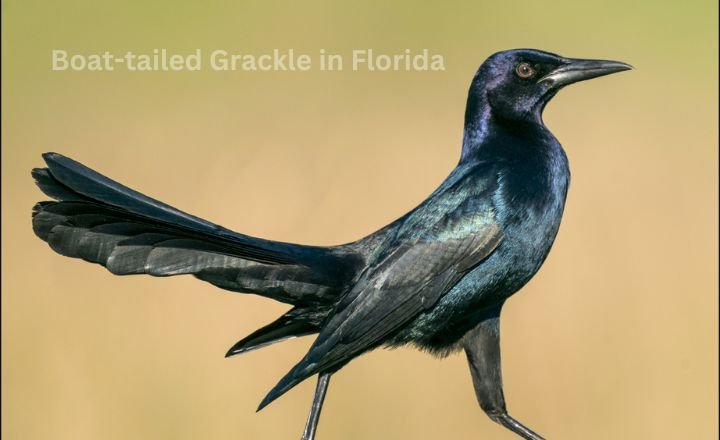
[(575, 70)]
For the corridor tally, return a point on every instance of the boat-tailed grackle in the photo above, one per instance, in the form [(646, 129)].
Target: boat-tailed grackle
[(436, 278)]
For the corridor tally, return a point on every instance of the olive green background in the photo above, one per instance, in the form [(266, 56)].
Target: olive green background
[(615, 338)]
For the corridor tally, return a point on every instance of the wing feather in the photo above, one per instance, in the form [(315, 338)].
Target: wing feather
[(439, 243)]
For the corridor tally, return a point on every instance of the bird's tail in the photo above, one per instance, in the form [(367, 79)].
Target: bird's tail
[(101, 221)]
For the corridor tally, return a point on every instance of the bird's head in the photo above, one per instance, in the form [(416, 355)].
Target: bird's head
[(516, 84)]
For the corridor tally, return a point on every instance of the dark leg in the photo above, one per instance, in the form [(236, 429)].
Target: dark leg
[(482, 347), (314, 417)]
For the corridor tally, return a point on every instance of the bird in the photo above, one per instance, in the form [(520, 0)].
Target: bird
[(435, 279)]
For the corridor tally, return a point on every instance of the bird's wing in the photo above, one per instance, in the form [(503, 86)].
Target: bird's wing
[(439, 242)]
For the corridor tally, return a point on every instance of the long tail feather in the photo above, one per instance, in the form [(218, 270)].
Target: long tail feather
[(104, 222)]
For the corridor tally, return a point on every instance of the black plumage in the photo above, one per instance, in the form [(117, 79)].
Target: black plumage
[(436, 278)]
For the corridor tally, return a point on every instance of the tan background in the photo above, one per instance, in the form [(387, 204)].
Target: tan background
[(616, 338)]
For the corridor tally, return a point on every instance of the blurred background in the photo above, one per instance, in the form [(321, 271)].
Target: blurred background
[(615, 338)]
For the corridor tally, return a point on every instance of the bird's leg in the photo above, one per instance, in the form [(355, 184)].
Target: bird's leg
[(314, 417), (482, 347)]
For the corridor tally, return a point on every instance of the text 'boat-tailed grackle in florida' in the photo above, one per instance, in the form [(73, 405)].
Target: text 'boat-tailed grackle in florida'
[(436, 278)]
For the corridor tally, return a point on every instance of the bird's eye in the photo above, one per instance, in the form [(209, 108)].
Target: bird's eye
[(524, 70)]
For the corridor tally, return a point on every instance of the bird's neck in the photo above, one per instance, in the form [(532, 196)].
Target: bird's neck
[(478, 119), (485, 132)]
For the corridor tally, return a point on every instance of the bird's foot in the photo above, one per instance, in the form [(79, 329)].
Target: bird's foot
[(515, 426)]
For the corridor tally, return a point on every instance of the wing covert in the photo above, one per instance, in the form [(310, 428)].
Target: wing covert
[(439, 243)]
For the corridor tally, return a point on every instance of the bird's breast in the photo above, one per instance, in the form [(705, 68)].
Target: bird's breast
[(532, 196)]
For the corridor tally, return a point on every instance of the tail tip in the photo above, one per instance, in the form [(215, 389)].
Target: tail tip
[(242, 347), (265, 402), (37, 173), (286, 383), (233, 351), (49, 155)]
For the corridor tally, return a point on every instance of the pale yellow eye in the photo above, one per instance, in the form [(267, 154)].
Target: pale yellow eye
[(524, 70)]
